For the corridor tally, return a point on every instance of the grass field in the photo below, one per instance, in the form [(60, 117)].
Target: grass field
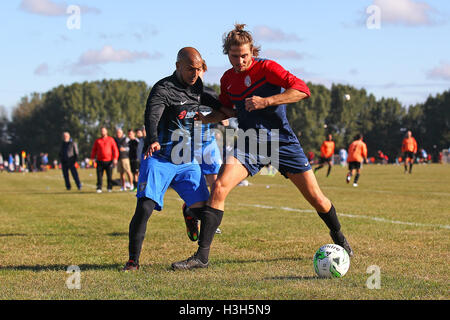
[(398, 222)]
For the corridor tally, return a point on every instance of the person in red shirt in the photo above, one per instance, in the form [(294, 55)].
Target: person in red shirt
[(357, 153), (106, 153), (256, 91), (326, 154), (409, 150)]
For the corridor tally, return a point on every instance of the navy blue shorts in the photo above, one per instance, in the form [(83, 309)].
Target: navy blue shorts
[(156, 174), (288, 158)]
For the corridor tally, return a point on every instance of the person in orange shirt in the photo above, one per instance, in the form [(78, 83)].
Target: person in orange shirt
[(409, 150), (357, 153), (326, 154)]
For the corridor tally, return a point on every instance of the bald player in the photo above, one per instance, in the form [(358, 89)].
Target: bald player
[(169, 122)]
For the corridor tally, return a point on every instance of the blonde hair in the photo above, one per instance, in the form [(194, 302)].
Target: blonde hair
[(238, 37)]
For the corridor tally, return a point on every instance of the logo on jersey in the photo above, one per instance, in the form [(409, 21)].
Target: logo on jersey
[(182, 114), (248, 81)]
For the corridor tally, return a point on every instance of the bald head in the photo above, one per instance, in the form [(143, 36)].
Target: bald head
[(189, 65), (188, 54)]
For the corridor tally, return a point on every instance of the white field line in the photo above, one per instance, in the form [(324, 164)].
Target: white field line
[(347, 215)]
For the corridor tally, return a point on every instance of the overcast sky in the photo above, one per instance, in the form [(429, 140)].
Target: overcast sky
[(392, 48)]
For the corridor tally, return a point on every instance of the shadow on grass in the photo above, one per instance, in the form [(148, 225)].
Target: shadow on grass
[(257, 260), (60, 267), (111, 234), (296, 278)]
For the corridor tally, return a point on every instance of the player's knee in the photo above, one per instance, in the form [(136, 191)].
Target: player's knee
[(219, 190), (321, 203)]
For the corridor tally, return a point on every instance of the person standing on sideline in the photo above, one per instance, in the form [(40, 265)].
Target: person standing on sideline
[(409, 150), (357, 153), (257, 91), (140, 135), (68, 156), (326, 154), (123, 165), (133, 144), (106, 154)]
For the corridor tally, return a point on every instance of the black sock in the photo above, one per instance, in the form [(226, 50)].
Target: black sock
[(331, 220), (329, 170), (210, 220), (410, 167), (356, 178), (138, 227)]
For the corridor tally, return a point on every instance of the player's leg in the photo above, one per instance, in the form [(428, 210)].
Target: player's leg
[(307, 184), (349, 173), (330, 164), (355, 181), (137, 230), (406, 162), (154, 179), (231, 173), (411, 162)]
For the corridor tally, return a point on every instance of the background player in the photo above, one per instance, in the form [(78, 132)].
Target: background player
[(409, 149), (326, 154), (357, 153)]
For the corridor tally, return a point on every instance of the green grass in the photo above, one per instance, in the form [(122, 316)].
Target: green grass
[(263, 252)]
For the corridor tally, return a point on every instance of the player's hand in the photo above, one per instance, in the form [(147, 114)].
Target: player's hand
[(114, 162), (200, 117), (255, 103), (155, 146)]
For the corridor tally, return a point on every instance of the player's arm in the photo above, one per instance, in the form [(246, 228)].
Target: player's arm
[(156, 103), (296, 89), (210, 98), (214, 116), (288, 96)]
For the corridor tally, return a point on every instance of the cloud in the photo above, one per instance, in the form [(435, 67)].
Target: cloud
[(42, 70), (440, 72), (91, 61), (405, 12), (264, 33), (108, 54), (50, 8), (283, 54)]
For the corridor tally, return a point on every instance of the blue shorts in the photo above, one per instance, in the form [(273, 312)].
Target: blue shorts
[(211, 158), (290, 159), (156, 174)]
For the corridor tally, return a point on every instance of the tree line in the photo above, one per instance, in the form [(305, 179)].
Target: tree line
[(39, 119)]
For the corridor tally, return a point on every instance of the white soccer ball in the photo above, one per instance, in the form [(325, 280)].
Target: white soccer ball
[(347, 97), (331, 261)]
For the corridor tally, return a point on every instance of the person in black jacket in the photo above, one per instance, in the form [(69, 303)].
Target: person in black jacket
[(68, 156)]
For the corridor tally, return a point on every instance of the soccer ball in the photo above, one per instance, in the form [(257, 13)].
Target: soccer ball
[(331, 261), (347, 97)]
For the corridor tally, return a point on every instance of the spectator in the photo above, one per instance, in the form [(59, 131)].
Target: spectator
[(123, 165), (68, 155), (106, 154), (133, 144)]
